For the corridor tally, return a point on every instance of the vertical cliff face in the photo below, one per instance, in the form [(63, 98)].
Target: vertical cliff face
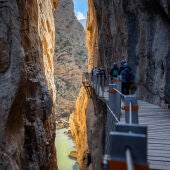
[(78, 126), (70, 58), (139, 31), (11, 88), (92, 36), (116, 29), (87, 124), (27, 91)]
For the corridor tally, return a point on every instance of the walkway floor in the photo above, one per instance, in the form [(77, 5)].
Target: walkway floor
[(158, 122)]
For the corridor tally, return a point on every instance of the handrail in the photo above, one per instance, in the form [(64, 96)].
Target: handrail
[(119, 92), (112, 113), (98, 82), (129, 160), (130, 113)]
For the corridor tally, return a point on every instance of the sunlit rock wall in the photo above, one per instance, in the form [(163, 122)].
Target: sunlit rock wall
[(138, 31), (87, 124), (92, 36), (27, 91), (78, 127)]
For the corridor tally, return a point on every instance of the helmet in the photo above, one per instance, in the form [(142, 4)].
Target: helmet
[(123, 62), (114, 64), (125, 65)]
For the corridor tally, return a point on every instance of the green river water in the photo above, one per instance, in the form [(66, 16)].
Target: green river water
[(64, 145)]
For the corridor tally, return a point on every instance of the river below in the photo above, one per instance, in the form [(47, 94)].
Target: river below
[(64, 145)]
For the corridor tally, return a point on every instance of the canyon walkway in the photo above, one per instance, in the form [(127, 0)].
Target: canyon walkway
[(149, 141)]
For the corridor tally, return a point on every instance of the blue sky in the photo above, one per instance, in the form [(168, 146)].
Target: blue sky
[(80, 8)]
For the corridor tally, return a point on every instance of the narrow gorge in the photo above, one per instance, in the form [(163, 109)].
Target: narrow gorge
[(70, 59), (42, 57)]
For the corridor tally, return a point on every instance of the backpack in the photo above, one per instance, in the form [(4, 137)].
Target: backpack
[(115, 73), (128, 76)]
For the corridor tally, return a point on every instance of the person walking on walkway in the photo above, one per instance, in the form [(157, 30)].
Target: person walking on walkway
[(94, 74), (126, 77), (114, 71), (121, 66)]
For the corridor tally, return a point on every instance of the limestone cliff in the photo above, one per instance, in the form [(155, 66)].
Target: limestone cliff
[(27, 90), (87, 123), (70, 58), (78, 126)]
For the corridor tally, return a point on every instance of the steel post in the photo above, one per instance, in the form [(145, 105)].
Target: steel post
[(131, 113), (118, 99)]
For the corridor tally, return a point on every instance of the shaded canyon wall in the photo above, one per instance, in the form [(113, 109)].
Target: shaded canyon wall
[(27, 90), (139, 31)]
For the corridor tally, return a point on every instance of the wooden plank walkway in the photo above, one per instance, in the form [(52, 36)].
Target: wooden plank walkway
[(158, 122)]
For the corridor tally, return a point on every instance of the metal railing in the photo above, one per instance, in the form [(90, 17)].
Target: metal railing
[(123, 142)]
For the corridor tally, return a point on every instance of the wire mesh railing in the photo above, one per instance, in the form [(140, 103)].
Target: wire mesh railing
[(126, 143)]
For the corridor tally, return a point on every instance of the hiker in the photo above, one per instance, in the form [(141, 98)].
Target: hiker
[(102, 74), (122, 67), (126, 77), (102, 71), (114, 71), (94, 74)]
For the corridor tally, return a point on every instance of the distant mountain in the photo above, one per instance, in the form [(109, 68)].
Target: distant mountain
[(83, 22), (70, 58)]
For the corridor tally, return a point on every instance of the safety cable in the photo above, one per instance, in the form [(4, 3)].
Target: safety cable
[(117, 120)]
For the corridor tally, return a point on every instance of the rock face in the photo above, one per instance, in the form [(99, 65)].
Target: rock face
[(139, 31), (78, 127), (87, 123), (27, 90), (70, 58), (116, 29)]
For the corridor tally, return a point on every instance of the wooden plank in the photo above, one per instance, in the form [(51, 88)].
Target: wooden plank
[(157, 121), (154, 166), (157, 137), (157, 126), (157, 142), (155, 147), (158, 158), (158, 153), (161, 115), (163, 152), (165, 163), (156, 114)]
